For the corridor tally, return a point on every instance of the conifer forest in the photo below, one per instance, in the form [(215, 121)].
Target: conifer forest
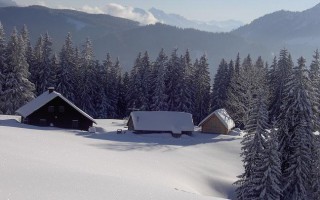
[(276, 103)]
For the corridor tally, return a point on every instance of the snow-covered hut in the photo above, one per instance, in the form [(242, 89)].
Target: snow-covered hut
[(53, 109), (218, 121), (160, 122)]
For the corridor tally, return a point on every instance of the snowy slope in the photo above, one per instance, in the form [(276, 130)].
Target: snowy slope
[(50, 163)]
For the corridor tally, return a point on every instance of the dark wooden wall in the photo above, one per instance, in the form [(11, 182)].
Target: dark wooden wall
[(58, 118)]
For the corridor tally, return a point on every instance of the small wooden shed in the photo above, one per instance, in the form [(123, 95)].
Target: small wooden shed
[(218, 122), (53, 109), (160, 122)]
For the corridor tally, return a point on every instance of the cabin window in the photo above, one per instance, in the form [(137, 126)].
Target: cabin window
[(51, 109), (43, 122), (75, 124), (61, 109)]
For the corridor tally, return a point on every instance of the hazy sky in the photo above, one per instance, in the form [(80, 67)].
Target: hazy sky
[(205, 10)]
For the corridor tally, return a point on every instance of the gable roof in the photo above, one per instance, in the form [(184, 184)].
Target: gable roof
[(223, 116), (175, 122), (44, 98)]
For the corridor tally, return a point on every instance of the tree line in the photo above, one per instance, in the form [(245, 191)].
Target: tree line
[(102, 89), (278, 106)]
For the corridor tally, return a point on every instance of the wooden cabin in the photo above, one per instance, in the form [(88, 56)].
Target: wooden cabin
[(53, 109), (176, 123), (218, 122)]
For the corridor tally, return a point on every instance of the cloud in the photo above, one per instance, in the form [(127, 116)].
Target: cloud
[(93, 10), (128, 12)]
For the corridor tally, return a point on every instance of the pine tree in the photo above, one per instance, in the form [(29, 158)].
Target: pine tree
[(144, 86), (3, 64), (253, 149), (202, 85), (190, 77), (122, 100), (66, 72), (159, 97), (269, 179), (315, 93), (29, 52), (315, 168), (172, 76), (283, 71), (183, 100), (17, 89), (44, 64), (54, 64), (134, 92), (295, 132), (220, 86), (88, 81), (235, 90)]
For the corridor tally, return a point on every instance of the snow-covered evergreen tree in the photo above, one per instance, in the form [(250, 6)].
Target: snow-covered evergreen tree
[(315, 92), (3, 64), (190, 77), (88, 81), (113, 93), (159, 96), (145, 82), (122, 106), (296, 137), (184, 100), (281, 74), (67, 69), (134, 92), (172, 76), (315, 168), (202, 85), (268, 182), (44, 63), (17, 89), (253, 150), (54, 64), (220, 86)]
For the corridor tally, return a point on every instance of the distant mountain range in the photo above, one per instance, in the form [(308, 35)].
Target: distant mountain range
[(6, 3), (299, 32), (122, 37), (182, 22)]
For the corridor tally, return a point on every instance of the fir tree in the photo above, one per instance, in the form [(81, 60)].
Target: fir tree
[(54, 64), (220, 86), (172, 76), (295, 132), (88, 81), (159, 97), (315, 92), (283, 71), (3, 64), (134, 92), (268, 182), (253, 150), (44, 64), (202, 85), (66, 71), (122, 100), (17, 89)]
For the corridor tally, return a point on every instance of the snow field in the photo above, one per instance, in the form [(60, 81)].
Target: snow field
[(50, 163)]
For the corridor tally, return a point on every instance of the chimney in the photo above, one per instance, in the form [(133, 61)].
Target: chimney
[(50, 89)]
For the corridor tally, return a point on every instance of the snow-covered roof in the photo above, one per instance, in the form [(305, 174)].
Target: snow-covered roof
[(175, 122), (223, 116), (44, 98)]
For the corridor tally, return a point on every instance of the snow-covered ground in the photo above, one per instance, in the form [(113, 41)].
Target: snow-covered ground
[(50, 163)]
